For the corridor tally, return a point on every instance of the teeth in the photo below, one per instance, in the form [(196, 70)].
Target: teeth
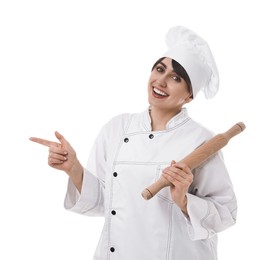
[(159, 92)]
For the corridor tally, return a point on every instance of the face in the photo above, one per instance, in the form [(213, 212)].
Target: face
[(167, 90)]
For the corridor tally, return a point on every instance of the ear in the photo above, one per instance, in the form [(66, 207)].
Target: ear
[(188, 99)]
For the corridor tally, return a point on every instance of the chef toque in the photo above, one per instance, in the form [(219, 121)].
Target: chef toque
[(194, 55)]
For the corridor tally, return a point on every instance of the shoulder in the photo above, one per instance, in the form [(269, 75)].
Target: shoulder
[(119, 121), (200, 130), (119, 124)]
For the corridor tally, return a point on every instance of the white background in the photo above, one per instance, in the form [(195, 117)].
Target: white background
[(72, 65)]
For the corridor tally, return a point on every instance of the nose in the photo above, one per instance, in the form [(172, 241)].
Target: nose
[(161, 81)]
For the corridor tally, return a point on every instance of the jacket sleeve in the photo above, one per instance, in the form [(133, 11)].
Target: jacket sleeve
[(91, 199), (211, 203)]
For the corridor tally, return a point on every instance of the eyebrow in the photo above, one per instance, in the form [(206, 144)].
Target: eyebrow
[(165, 66)]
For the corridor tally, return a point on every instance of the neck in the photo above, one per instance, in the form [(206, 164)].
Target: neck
[(160, 118)]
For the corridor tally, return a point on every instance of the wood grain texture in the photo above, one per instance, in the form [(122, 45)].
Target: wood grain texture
[(197, 157)]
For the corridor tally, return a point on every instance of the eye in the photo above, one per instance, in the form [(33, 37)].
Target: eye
[(176, 78), (160, 69)]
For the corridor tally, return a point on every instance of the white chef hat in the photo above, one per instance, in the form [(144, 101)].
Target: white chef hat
[(194, 55)]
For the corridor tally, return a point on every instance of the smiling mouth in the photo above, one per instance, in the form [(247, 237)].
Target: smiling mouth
[(158, 93)]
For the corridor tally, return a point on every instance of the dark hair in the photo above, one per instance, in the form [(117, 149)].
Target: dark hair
[(180, 71)]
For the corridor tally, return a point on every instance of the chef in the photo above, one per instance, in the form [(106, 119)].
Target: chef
[(133, 150)]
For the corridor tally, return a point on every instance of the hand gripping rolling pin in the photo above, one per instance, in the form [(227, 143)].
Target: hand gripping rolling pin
[(197, 157)]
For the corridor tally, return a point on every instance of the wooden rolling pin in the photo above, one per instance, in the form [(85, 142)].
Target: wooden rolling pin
[(197, 157)]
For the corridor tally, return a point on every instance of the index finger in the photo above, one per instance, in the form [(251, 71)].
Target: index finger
[(43, 141)]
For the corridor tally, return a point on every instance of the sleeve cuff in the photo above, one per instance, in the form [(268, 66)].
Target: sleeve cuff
[(198, 210), (87, 201)]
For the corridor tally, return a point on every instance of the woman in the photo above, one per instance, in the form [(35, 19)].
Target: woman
[(133, 150)]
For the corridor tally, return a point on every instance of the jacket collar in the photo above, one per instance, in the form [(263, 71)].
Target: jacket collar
[(175, 121)]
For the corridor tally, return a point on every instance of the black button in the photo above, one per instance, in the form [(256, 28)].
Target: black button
[(151, 136), (112, 249), (115, 174), (126, 140), (113, 212)]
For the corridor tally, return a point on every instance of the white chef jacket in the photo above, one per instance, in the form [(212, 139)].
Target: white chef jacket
[(128, 156)]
